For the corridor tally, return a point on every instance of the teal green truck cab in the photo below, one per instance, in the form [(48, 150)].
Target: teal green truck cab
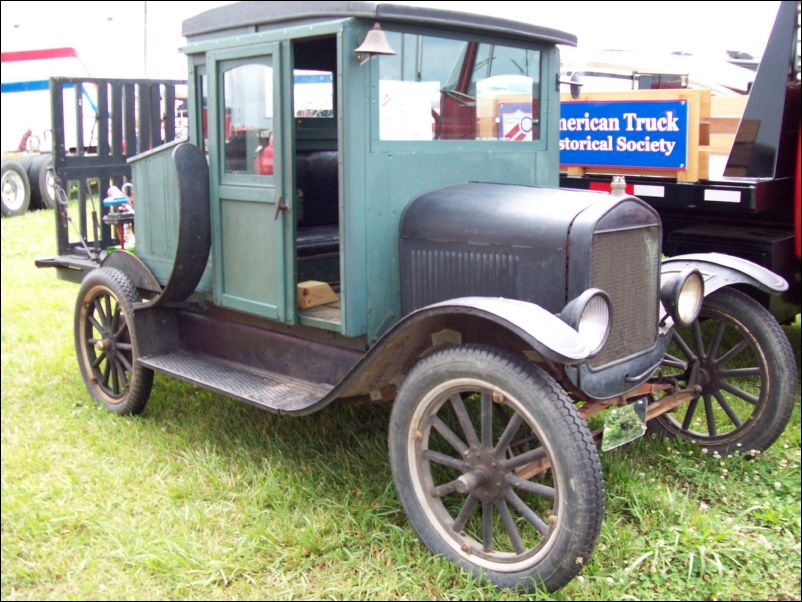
[(405, 161), (373, 131)]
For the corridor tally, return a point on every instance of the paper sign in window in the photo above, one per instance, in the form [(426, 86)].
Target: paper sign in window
[(406, 109)]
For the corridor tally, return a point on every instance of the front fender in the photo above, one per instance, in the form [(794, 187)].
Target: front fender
[(507, 323), (719, 270), (545, 332)]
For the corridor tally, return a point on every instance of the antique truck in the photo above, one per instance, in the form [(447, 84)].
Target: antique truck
[(367, 208)]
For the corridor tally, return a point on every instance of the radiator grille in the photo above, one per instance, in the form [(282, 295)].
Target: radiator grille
[(440, 274), (625, 266)]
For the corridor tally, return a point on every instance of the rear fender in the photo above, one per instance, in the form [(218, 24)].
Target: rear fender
[(133, 267)]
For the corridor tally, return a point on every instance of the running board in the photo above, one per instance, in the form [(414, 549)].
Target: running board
[(267, 390)]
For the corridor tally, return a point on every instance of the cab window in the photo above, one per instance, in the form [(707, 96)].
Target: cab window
[(445, 89)]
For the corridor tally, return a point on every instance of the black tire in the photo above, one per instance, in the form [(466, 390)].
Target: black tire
[(746, 372), (15, 193), (526, 423), (106, 344), (25, 161), (43, 182)]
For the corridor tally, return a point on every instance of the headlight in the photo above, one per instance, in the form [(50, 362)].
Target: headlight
[(690, 298), (682, 295), (589, 314)]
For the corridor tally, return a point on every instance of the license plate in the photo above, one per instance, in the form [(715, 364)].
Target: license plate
[(624, 424)]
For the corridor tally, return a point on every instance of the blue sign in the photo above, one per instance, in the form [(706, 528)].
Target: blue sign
[(651, 134)]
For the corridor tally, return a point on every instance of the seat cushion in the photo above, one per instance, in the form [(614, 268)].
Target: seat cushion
[(314, 240), (316, 176)]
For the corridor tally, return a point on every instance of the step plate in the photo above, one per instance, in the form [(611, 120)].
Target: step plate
[(267, 390)]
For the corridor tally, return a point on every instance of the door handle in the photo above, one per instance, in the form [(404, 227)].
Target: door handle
[(280, 206)]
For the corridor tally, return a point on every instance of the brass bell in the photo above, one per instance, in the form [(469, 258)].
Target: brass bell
[(375, 43)]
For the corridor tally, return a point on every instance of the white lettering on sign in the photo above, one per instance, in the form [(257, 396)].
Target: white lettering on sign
[(668, 123), (588, 124), (621, 144), (647, 145), (651, 124), (637, 133)]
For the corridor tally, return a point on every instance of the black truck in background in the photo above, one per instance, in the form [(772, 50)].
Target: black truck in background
[(753, 211)]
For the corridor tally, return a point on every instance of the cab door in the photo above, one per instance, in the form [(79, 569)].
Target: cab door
[(249, 206)]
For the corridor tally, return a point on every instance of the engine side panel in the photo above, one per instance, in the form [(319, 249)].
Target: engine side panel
[(488, 240)]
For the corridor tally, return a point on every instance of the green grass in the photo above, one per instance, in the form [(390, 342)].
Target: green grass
[(205, 498)]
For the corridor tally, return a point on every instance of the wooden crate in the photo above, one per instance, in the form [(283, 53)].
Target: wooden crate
[(725, 117)]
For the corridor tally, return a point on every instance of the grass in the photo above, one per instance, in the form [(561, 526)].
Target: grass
[(205, 498)]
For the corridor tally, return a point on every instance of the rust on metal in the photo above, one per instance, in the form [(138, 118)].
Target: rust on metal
[(668, 403), (527, 471), (655, 409), (591, 408)]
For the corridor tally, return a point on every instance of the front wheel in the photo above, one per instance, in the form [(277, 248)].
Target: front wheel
[(495, 468), (743, 366), (106, 343)]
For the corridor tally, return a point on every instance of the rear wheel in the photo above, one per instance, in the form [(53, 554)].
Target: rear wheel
[(106, 342), (495, 468), (744, 366)]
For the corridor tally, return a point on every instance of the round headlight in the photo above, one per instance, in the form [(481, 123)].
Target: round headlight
[(589, 314), (691, 295), (594, 322), (682, 295)]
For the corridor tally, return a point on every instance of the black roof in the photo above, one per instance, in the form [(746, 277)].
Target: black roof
[(242, 14)]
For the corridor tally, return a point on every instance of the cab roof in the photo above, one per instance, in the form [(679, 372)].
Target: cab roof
[(254, 14)]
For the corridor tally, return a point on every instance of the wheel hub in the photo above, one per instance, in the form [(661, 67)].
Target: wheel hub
[(108, 342), (488, 468), (708, 375), (13, 190)]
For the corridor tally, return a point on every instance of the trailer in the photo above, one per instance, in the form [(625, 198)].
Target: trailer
[(27, 140), (387, 239), (39, 139), (750, 206)]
